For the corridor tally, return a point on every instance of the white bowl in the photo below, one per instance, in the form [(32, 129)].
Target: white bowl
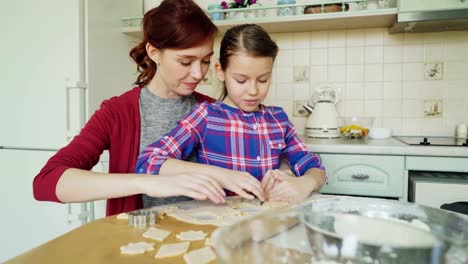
[(380, 132)]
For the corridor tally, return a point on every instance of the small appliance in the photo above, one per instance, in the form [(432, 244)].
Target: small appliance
[(322, 121)]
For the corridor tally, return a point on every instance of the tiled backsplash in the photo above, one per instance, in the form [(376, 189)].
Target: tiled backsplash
[(414, 83)]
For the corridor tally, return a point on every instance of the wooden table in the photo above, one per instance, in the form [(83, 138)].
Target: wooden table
[(100, 241)]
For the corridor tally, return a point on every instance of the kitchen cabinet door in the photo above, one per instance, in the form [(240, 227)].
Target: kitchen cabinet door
[(26, 223), (41, 55), (426, 5)]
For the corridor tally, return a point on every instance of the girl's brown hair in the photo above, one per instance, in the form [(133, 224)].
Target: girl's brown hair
[(174, 24), (248, 38)]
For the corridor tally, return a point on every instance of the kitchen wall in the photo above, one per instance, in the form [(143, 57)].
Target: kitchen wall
[(415, 83)]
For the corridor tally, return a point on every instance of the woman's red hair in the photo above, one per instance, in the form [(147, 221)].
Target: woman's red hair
[(174, 24)]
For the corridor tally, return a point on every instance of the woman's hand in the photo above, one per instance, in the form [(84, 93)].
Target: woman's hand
[(294, 189), (242, 183), (196, 186)]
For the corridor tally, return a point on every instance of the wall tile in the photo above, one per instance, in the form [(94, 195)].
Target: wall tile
[(284, 75), (319, 56), (284, 91), (393, 54), (373, 90), (355, 37), (413, 108), (374, 54), (284, 40), (284, 58), (392, 108), (433, 52), (455, 52), (301, 91), (413, 53), (413, 38), (301, 57), (319, 39), (374, 36), (301, 40), (336, 73), (456, 70), (336, 56), (354, 73), (393, 39), (318, 74), (355, 55), (373, 108), (354, 108), (434, 37), (354, 91), (393, 72), (373, 72), (392, 90), (413, 71), (337, 38)]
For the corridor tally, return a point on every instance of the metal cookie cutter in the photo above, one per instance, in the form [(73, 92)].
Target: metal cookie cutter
[(142, 218)]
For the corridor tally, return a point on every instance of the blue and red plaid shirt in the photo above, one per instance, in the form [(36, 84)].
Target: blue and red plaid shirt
[(227, 137)]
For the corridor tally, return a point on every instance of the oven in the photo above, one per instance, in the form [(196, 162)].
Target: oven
[(438, 181)]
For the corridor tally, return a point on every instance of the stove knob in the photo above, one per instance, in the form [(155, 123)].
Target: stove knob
[(425, 142), (466, 143)]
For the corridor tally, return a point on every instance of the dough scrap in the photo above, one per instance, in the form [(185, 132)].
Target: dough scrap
[(200, 256), (156, 234), (191, 235), (136, 248), (172, 250), (122, 216)]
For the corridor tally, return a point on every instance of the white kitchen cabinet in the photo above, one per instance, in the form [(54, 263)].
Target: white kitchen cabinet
[(364, 175), (25, 222), (430, 5), (59, 60)]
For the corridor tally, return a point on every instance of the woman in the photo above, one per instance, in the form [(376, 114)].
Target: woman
[(172, 59)]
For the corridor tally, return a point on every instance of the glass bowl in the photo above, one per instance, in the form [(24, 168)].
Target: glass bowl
[(307, 234), (355, 127), (368, 230)]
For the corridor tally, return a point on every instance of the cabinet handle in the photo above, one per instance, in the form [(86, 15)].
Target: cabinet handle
[(360, 176)]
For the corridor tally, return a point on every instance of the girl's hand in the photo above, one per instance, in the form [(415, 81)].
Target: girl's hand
[(196, 186), (242, 183), (268, 181), (291, 189)]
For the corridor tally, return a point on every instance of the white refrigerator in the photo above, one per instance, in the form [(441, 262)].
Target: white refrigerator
[(59, 59)]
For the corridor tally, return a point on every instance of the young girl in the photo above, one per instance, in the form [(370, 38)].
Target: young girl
[(239, 133)]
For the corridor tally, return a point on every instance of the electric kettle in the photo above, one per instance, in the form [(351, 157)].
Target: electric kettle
[(322, 121)]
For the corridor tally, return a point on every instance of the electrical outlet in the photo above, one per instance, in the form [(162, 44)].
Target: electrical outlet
[(433, 108), (298, 110), (301, 73)]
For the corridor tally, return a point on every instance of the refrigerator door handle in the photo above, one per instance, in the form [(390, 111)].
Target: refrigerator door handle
[(75, 107)]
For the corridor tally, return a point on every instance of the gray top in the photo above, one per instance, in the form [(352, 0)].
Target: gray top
[(158, 117)]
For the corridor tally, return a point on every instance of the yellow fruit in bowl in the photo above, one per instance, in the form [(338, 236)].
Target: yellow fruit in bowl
[(354, 131)]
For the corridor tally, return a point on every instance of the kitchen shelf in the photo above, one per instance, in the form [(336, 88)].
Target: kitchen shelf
[(297, 23)]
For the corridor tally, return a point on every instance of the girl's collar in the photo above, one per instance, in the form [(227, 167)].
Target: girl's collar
[(239, 111)]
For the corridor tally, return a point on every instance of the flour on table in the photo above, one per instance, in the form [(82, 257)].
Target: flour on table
[(122, 216), (235, 209), (200, 256), (209, 240), (156, 234), (191, 235), (172, 250), (136, 248)]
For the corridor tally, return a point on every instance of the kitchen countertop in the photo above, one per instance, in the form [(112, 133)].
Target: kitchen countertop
[(390, 146)]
